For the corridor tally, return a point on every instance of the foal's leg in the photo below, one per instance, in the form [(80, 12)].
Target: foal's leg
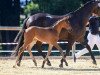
[(19, 53), (29, 50), (61, 51), (69, 47), (89, 49), (49, 51), (39, 48)]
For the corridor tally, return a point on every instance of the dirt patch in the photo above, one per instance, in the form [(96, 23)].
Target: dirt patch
[(81, 67)]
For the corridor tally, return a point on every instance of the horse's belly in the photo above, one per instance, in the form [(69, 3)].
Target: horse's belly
[(47, 39)]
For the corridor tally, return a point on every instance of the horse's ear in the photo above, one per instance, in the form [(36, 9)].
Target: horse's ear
[(67, 17)]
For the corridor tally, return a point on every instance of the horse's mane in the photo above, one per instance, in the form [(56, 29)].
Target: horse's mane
[(82, 6)]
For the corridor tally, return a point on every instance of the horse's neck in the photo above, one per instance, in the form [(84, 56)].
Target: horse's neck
[(83, 14), (57, 28), (61, 16)]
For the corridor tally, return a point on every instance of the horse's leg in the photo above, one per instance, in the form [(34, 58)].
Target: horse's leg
[(39, 48), (89, 49), (20, 58), (67, 52), (29, 50), (27, 41), (61, 51), (19, 53), (49, 51)]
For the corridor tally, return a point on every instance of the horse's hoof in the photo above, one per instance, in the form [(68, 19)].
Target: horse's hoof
[(74, 58), (35, 64), (18, 64), (66, 64), (48, 63), (42, 66), (61, 65), (94, 62), (14, 66)]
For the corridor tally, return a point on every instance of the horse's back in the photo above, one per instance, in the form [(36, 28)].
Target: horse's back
[(43, 20), (42, 34)]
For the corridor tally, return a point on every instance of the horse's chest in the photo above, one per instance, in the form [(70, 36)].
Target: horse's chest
[(78, 33)]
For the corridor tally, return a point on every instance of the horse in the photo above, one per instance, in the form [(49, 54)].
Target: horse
[(78, 20), (50, 35), (41, 20)]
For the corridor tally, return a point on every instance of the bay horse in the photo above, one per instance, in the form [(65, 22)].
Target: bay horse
[(78, 20), (50, 35)]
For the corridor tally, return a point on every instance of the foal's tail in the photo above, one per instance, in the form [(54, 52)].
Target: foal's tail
[(20, 39)]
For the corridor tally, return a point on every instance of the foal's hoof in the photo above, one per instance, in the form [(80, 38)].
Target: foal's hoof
[(48, 63), (94, 62), (35, 63), (14, 66), (61, 65)]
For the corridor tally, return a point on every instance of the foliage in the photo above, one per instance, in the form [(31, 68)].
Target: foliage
[(31, 8), (57, 7)]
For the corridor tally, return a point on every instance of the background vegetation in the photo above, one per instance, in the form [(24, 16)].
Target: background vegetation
[(12, 12), (55, 7)]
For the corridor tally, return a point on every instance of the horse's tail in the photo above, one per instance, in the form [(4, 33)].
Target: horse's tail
[(20, 38), (20, 32), (20, 43)]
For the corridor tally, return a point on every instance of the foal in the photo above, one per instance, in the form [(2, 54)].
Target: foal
[(49, 35)]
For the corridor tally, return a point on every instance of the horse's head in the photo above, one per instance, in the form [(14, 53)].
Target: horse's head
[(97, 7), (63, 23), (66, 24)]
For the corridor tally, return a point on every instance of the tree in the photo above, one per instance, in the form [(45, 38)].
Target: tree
[(57, 7), (9, 16)]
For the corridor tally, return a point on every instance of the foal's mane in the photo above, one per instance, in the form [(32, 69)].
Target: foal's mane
[(59, 21)]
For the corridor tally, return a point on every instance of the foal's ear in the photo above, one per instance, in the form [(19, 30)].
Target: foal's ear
[(65, 18)]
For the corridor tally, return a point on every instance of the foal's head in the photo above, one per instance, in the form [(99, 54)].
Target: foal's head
[(64, 23)]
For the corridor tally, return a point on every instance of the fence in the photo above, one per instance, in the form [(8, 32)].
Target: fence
[(19, 28)]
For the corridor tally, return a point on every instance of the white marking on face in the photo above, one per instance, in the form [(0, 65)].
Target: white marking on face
[(99, 4), (49, 16)]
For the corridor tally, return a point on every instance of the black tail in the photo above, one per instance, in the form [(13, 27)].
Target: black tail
[(20, 38), (20, 43), (20, 32), (17, 37)]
